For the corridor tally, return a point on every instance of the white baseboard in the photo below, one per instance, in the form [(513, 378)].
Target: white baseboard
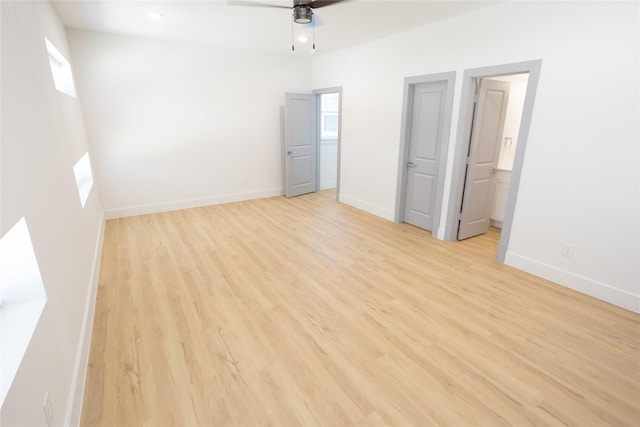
[(581, 284), (496, 223), (327, 185), (190, 203), (367, 207), (76, 394)]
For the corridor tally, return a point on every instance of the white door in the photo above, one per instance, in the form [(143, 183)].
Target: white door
[(480, 181), (427, 117), (300, 144)]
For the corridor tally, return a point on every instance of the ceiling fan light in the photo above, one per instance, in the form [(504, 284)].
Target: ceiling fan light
[(302, 14), (155, 15)]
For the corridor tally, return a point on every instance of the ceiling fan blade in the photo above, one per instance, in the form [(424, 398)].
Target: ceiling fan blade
[(322, 3), (255, 4)]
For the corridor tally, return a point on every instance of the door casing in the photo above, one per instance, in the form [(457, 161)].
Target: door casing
[(462, 144), (407, 113)]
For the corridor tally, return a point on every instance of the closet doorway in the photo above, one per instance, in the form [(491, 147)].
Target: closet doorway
[(494, 136), (468, 155)]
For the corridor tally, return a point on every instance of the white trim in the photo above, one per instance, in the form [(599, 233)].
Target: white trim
[(327, 185), (581, 284), (190, 203), (76, 393), (367, 207)]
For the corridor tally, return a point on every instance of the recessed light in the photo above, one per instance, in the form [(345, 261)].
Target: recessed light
[(303, 39), (155, 15)]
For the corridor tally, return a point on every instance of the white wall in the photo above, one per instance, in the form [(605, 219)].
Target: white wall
[(43, 136), (176, 125), (218, 138), (580, 182)]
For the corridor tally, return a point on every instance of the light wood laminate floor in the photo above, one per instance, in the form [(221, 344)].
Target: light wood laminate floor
[(308, 312)]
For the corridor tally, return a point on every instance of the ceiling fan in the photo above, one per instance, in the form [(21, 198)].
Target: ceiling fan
[(302, 9), (302, 12)]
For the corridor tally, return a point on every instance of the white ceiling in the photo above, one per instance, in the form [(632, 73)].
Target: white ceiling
[(216, 22)]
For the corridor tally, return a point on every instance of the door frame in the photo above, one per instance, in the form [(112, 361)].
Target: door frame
[(410, 84), (463, 139), (317, 92)]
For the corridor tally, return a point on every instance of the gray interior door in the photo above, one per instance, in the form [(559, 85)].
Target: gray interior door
[(484, 148), (300, 144), (427, 117)]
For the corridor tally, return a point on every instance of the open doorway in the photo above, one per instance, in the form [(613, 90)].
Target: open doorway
[(311, 142), (328, 110), (329, 106), (507, 145), (493, 141), (487, 158)]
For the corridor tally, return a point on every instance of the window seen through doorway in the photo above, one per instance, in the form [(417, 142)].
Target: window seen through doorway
[(329, 116)]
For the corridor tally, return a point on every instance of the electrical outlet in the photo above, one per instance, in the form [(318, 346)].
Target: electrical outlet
[(567, 250), (48, 410)]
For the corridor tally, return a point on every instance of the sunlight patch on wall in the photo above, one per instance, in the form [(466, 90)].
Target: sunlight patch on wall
[(22, 299), (61, 70), (84, 178)]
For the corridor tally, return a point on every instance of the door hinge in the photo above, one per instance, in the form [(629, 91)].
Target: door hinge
[(476, 95)]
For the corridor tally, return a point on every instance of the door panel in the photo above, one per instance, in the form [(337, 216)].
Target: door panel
[(422, 199), (479, 189), (425, 139), (301, 170), (300, 144), (478, 200)]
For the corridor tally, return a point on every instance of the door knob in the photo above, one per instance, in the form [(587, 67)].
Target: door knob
[(291, 153), (411, 165)]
